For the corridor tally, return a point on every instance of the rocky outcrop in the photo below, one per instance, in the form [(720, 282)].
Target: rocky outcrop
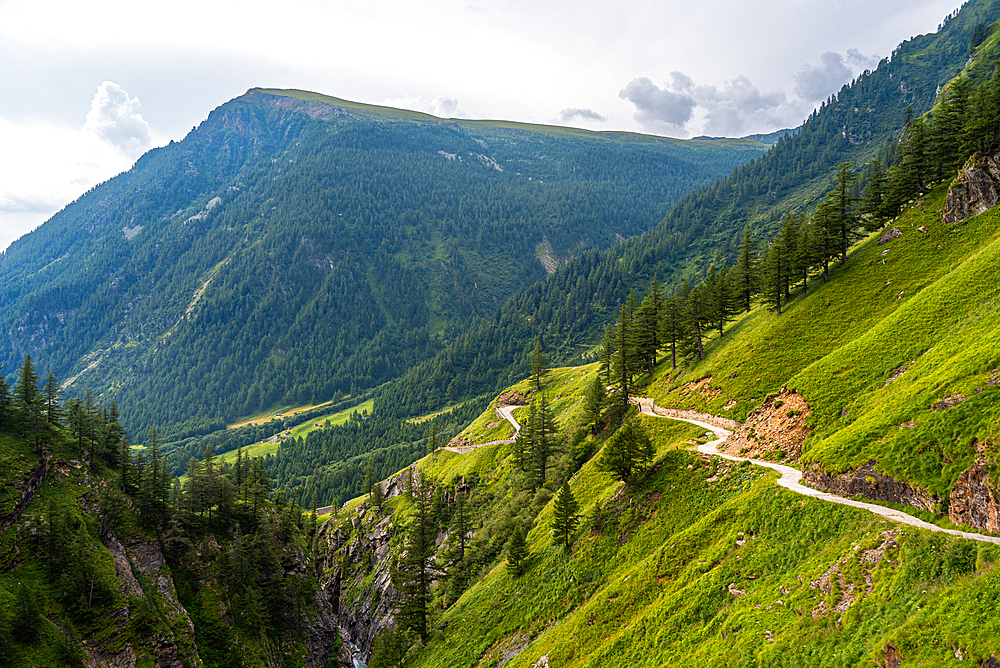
[(515, 398), (892, 657), (868, 483), (322, 630), (973, 501), (367, 604), (975, 190), (889, 235), (174, 648), (774, 430), (28, 487)]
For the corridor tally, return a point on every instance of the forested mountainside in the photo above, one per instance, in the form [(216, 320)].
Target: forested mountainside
[(295, 248)]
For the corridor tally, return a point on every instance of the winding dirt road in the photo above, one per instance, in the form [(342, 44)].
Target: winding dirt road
[(507, 413), (791, 479)]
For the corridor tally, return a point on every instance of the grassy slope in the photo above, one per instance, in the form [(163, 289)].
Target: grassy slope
[(933, 303), (649, 579)]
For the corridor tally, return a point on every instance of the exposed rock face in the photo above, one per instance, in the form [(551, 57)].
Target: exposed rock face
[(514, 398), (974, 190), (892, 657), (175, 648), (367, 610), (322, 629), (973, 502), (866, 482), (28, 487), (779, 424)]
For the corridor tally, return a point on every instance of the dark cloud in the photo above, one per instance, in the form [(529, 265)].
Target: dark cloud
[(728, 110), (567, 115), (818, 83), (114, 118), (737, 107), (655, 105)]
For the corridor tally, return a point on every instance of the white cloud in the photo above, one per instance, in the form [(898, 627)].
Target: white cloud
[(114, 118), (574, 113), (441, 106), (46, 165)]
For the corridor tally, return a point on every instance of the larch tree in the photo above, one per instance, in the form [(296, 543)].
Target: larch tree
[(28, 401), (565, 517), (517, 552), (412, 576), (746, 269)]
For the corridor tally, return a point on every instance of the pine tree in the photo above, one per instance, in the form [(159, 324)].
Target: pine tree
[(945, 139), (432, 439), (594, 404), (411, 576), (28, 401), (694, 316), (522, 443), (626, 361), (909, 177), (517, 552), (6, 404), (369, 482), (543, 436), (628, 452), (873, 197), (607, 353), (53, 408), (460, 523), (982, 119), (565, 517), (774, 267), (804, 254), (539, 366), (746, 269), (672, 326), (825, 245), (90, 424), (647, 325), (843, 219)]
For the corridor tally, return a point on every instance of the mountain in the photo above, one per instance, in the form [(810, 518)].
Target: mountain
[(294, 248)]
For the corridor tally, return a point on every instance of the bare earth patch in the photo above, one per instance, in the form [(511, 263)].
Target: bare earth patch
[(778, 426)]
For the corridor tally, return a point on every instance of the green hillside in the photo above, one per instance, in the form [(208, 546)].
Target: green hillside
[(700, 560), (875, 351)]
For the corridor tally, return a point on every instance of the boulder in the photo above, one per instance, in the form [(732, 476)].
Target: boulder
[(974, 190)]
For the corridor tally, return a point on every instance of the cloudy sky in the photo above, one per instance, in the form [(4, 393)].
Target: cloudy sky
[(87, 87)]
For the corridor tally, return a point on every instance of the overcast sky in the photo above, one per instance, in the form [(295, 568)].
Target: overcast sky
[(87, 87)]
